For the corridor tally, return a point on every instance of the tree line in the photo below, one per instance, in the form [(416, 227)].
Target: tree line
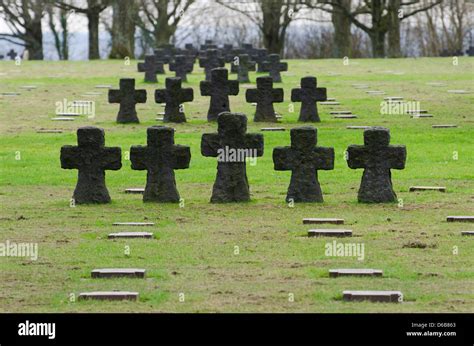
[(443, 25)]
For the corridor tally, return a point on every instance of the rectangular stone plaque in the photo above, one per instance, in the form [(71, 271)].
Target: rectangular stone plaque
[(459, 92), (334, 273), (393, 98), (428, 188), (109, 295), (137, 190), (103, 86), (416, 111), (329, 233), (426, 115), (66, 114), (345, 116), (62, 119), (355, 127), (340, 112), (319, 221), (467, 232), (130, 235), (447, 126), (118, 273), (273, 129), (133, 223), (329, 103), (460, 218), (373, 296), (49, 131)]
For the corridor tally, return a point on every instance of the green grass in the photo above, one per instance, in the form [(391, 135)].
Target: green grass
[(193, 252)]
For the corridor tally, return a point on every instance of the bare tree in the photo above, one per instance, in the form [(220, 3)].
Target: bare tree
[(124, 19), (61, 38), (272, 17), (92, 11), (23, 18), (159, 19)]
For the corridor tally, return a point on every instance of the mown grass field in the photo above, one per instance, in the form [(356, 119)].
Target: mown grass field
[(194, 249)]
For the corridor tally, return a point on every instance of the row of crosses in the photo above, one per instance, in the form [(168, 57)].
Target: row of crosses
[(218, 88), (161, 156)]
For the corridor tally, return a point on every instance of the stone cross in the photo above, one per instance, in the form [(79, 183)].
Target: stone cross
[(174, 96), (377, 157), (231, 145), (274, 66), (211, 61), (234, 68), (128, 97), (303, 158), (264, 96), (160, 158), (181, 66), (161, 55), (12, 54), (245, 65), (219, 88), (91, 158), (151, 67), (259, 56), (308, 95)]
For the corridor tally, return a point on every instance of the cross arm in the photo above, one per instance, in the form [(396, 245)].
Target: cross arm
[(161, 96), (141, 67), (114, 96), (140, 96), (251, 95), (324, 158), (283, 66), (283, 158), (203, 62), (112, 158), (233, 87), (296, 95), (187, 95), (321, 94), (356, 156), (255, 141), (210, 144), (277, 95), (138, 157), (205, 87), (397, 156), (181, 157), (70, 157)]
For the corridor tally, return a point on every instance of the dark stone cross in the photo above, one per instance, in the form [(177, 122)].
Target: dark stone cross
[(470, 51), (273, 65), (181, 66), (245, 65), (234, 68), (219, 88), (377, 157), (231, 145), (161, 55), (160, 158), (227, 52), (264, 96), (12, 54), (308, 95), (173, 96), (91, 158), (211, 61), (127, 96), (151, 67), (259, 56), (303, 159)]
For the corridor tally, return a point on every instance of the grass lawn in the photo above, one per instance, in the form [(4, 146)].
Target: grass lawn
[(194, 252)]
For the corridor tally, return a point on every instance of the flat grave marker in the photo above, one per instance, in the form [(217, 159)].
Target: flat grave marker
[(334, 273), (375, 92), (460, 218), (68, 114), (340, 112), (103, 86), (330, 233), (130, 235), (319, 221), (109, 295), (416, 111), (459, 92), (426, 115), (427, 188), (118, 273), (444, 126), (28, 87), (272, 129), (345, 116), (330, 103), (471, 233), (10, 93), (48, 131), (62, 119), (134, 224), (357, 127), (373, 296), (135, 190), (393, 98)]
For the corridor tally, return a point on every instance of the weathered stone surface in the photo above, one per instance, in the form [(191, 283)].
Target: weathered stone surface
[(428, 188), (109, 295), (308, 95), (127, 97), (322, 220), (243, 67), (259, 56), (211, 61), (377, 158), (162, 56), (334, 273), (264, 96), (174, 96), (133, 224), (219, 88), (160, 158), (91, 158), (273, 65), (130, 235), (460, 218), (181, 66), (304, 159), (329, 233), (118, 273), (151, 67), (231, 145), (373, 296)]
